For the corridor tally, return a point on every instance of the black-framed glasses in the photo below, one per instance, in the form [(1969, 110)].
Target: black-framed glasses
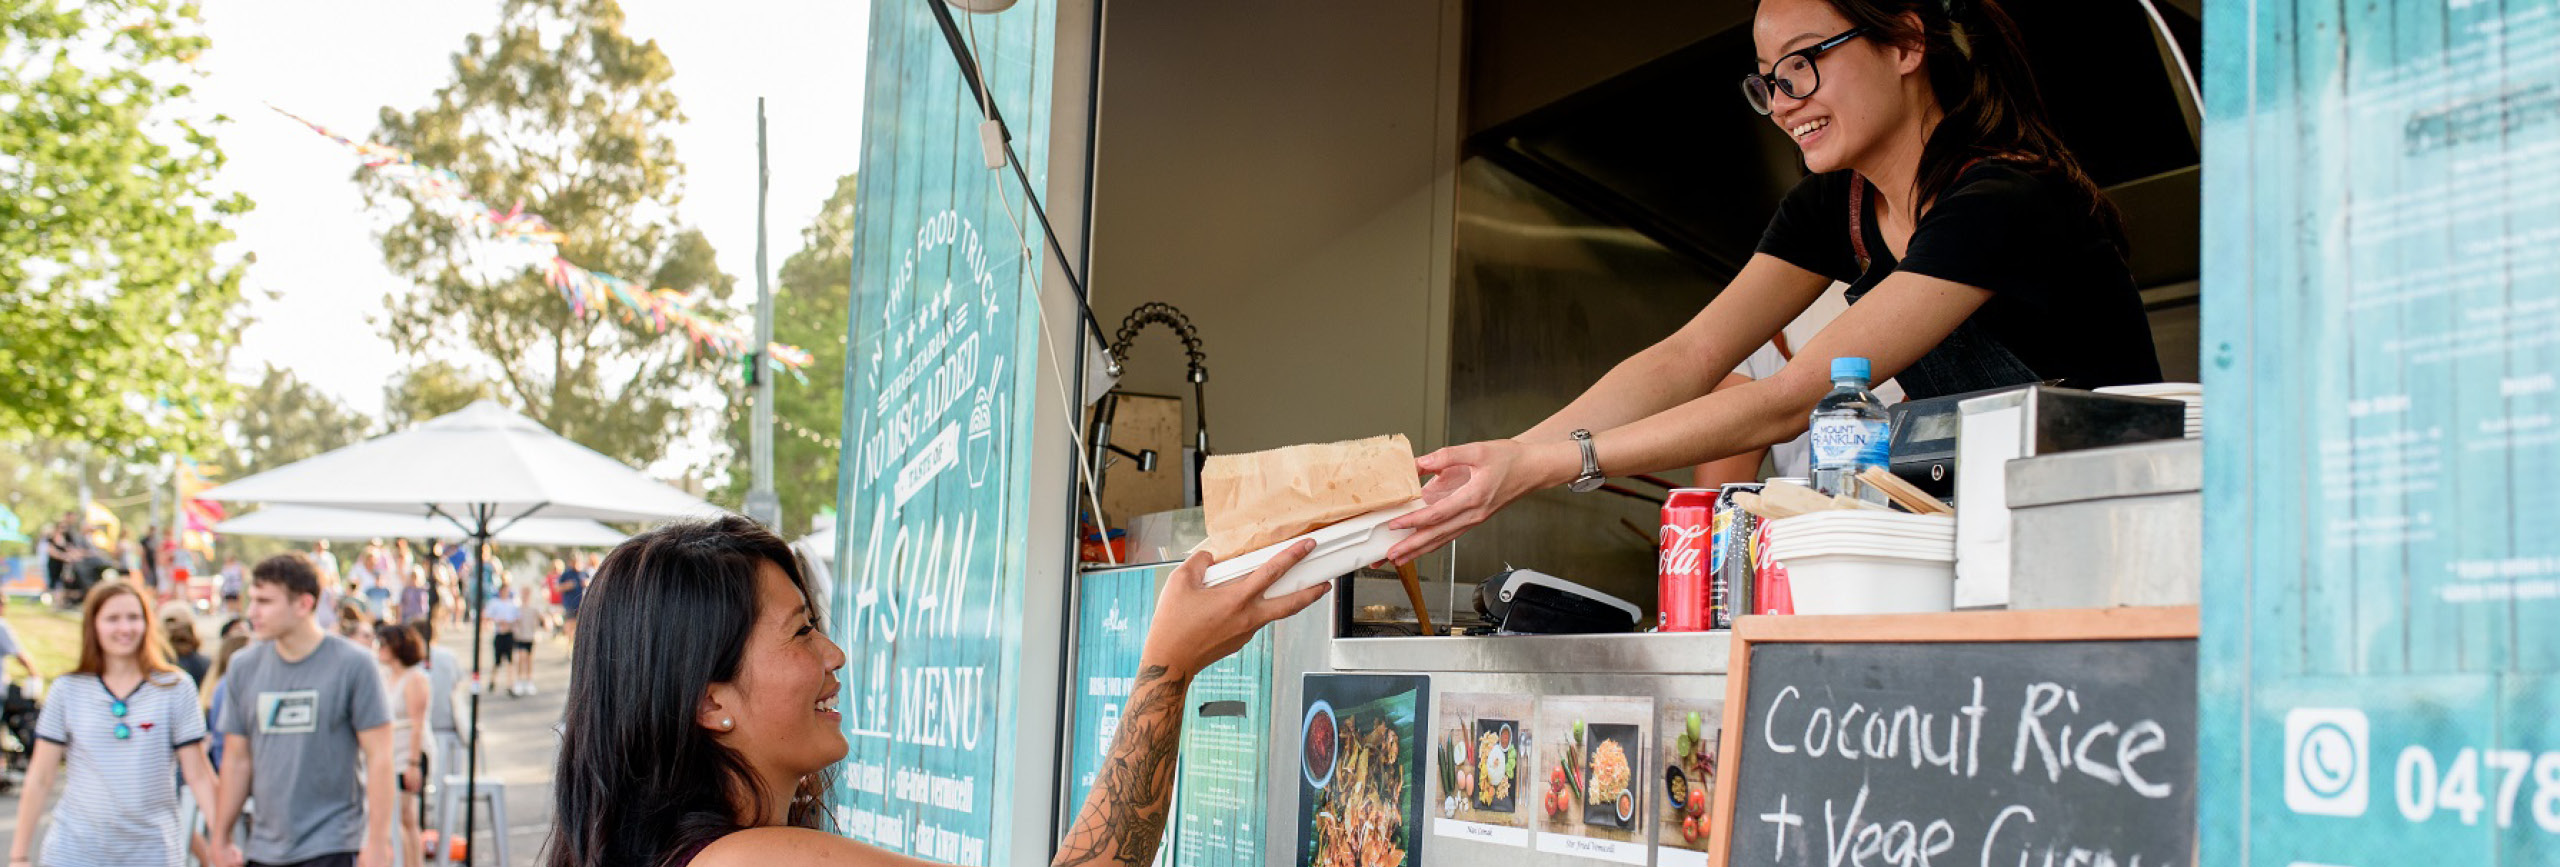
[(1794, 74)]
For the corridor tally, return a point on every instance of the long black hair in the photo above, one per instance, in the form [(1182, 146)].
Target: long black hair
[(640, 781), (1977, 66)]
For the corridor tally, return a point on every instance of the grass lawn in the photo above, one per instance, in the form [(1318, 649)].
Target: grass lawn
[(52, 638)]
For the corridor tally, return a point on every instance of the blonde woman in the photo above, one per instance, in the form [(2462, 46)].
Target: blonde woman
[(118, 728)]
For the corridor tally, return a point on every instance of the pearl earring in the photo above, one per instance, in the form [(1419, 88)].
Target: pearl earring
[(724, 724)]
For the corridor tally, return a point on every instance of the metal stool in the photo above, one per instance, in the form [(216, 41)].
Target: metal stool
[(493, 802)]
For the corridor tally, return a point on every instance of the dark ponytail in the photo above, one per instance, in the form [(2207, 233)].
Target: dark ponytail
[(1977, 67)]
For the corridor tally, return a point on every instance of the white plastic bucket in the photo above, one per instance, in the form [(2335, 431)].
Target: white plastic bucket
[(1865, 583)]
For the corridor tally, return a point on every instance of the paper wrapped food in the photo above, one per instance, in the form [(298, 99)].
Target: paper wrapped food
[(1262, 498)]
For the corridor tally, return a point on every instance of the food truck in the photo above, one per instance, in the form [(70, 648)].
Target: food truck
[(1084, 227)]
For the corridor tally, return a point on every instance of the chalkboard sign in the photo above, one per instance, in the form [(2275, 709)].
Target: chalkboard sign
[(2035, 737)]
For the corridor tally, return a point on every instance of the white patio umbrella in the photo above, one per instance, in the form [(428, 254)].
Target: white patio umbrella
[(483, 468), (351, 525)]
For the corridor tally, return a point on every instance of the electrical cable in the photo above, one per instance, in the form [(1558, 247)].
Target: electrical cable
[(1066, 402)]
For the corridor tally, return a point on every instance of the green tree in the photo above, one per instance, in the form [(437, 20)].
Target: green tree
[(429, 390), (116, 308), (810, 303), (561, 112), (283, 419)]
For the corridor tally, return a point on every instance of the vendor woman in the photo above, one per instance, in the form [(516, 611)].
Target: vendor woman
[(1978, 255)]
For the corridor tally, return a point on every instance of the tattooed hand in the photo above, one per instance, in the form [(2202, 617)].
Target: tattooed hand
[(1195, 626), (1123, 818)]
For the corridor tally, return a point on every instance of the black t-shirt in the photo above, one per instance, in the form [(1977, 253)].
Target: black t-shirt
[(2063, 305)]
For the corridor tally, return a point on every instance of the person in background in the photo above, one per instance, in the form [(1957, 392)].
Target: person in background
[(223, 655), (444, 672), (49, 550), (11, 649), (187, 646), (303, 710), (403, 659), (355, 622), (573, 590), (327, 563), (531, 619), (154, 573), (119, 727), (417, 601), (502, 616), (551, 580), (234, 578), (236, 626), (371, 577), (211, 701)]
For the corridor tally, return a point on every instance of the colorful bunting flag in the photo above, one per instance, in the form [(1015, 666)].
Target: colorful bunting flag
[(443, 192)]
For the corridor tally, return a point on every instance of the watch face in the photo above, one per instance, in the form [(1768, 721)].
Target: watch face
[(1586, 484)]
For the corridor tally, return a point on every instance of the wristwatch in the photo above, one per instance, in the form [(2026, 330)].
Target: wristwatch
[(1591, 477)]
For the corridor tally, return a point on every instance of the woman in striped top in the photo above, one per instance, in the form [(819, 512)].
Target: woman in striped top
[(125, 721)]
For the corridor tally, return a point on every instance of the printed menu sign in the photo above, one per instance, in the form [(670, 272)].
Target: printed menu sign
[(1845, 744), (1113, 610), (1687, 735), (2381, 290), (1360, 755), (1219, 815), (937, 414), (1481, 756), (1591, 756)]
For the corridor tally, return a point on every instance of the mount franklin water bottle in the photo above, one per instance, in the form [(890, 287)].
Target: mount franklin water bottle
[(1849, 432)]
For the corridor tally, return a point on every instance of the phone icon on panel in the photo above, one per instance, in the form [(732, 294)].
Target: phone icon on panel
[(2325, 761)]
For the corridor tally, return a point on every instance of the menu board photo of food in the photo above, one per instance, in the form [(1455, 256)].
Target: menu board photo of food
[(1480, 753), (1590, 767), (1688, 733), (1361, 754)]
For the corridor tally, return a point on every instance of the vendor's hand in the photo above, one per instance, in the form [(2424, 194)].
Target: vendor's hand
[(1195, 625), (1468, 484)]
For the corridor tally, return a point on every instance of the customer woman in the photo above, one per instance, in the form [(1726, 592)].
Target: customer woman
[(1978, 255), (701, 721), (403, 654), (120, 726)]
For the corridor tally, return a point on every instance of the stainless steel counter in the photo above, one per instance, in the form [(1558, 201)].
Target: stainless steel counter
[(1656, 653)]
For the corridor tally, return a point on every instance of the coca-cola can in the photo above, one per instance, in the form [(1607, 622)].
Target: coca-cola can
[(1729, 583), (1687, 539)]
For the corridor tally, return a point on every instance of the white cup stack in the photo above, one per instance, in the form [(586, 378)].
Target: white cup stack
[(2188, 393), (1867, 562)]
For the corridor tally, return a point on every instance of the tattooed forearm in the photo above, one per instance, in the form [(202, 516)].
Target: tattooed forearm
[(1122, 821)]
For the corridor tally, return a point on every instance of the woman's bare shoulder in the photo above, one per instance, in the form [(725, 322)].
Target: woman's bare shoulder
[(796, 847)]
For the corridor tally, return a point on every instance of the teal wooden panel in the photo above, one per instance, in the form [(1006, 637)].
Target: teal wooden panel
[(2382, 339), (2225, 647), (938, 426), (1113, 610), (1222, 815)]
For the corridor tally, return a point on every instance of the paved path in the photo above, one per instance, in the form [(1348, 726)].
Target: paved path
[(518, 748)]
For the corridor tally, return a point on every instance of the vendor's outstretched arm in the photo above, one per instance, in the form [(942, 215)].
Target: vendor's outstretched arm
[(1769, 293), (1896, 323)]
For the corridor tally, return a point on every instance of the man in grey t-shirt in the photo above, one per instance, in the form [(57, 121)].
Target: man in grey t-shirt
[(304, 712)]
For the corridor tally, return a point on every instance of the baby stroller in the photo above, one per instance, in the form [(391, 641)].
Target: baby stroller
[(18, 709)]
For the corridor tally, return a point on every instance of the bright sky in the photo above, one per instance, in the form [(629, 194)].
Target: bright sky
[(337, 63)]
